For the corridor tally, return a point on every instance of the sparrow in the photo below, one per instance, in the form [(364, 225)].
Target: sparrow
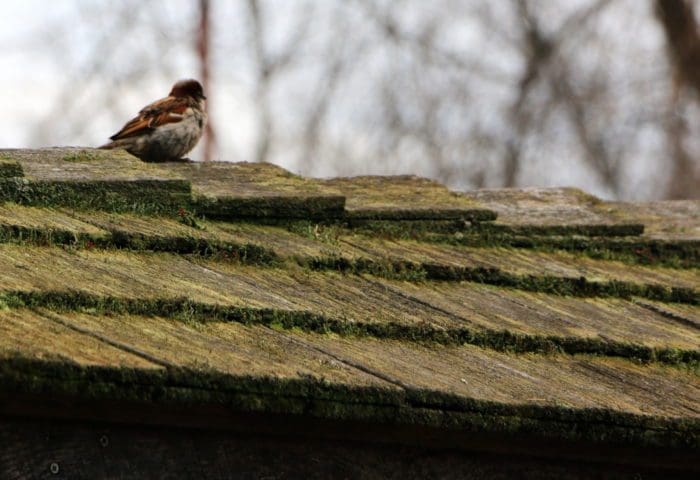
[(166, 129)]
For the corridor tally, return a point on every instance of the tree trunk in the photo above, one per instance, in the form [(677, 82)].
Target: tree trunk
[(678, 20)]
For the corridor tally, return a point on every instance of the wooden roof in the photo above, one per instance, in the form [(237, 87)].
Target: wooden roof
[(539, 312)]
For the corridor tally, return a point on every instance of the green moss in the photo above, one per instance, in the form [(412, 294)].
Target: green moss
[(324, 232), (10, 168), (41, 237), (82, 156), (602, 230), (605, 242), (247, 253), (145, 196), (318, 398), (579, 287), (642, 251), (358, 217), (322, 207), (498, 340), (188, 218), (404, 229), (479, 226), (395, 270), (609, 242), (477, 232)]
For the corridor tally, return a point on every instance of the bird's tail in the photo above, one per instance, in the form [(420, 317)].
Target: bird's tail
[(114, 144)]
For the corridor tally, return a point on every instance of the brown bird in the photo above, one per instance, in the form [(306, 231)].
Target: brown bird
[(166, 129)]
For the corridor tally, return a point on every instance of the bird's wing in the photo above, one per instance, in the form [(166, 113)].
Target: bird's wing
[(160, 112)]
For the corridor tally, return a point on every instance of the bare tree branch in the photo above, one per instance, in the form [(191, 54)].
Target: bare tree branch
[(318, 112), (545, 63), (267, 67)]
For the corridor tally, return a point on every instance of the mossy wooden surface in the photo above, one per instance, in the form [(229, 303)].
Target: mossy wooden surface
[(10, 168), (684, 314), (137, 275), (536, 313), (45, 219), (57, 176), (404, 197), (190, 311), (172, 226), (383, 299), (518, 261), (678, 219), (87, 178), (483, 375), (255, 190), (335, 247), (36, 336), (267, 190), (254, 369), (224, 179), (309, 240), (232, 348), (364, 304), (669, 219), (541, 206), (85, 164)]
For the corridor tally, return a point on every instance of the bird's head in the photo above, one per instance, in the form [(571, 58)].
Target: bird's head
[(188, 88)]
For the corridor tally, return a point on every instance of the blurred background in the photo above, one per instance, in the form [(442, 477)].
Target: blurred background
[(598, 94)]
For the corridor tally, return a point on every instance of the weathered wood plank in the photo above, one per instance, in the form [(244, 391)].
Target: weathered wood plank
[(361, 303), (257, 190), (405, 198), (30, 334), (241, 350), (85, 165), (461, 388), (325, 247), (678, 219), (473, 373)]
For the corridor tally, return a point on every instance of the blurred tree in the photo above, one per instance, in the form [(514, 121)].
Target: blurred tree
[(472, 93), (680, 26)]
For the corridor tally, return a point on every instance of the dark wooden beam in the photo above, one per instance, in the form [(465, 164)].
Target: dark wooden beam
[(35, 432)]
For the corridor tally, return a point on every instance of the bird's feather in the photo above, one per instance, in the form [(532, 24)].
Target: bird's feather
[(160, 112)]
